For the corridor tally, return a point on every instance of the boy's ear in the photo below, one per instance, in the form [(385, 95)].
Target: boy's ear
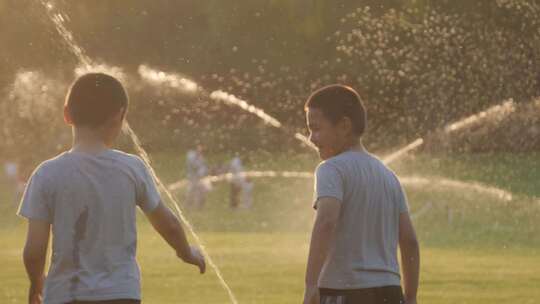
[(123, 110), (67, 116), (120, 115)]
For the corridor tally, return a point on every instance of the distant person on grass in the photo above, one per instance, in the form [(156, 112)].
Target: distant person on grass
[(198, 186), (13, 175), (241, 187), (88, 197), (362, 213)]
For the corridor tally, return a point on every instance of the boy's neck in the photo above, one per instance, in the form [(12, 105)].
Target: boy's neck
[(354, 144), (88, 140), (359, 146)]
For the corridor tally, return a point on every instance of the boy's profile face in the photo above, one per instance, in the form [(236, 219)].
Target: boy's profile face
[(329, 138)]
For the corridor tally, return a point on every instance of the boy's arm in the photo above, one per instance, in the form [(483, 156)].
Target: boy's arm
[(410, 257), (34, 256), (328, 209), (169, 227)]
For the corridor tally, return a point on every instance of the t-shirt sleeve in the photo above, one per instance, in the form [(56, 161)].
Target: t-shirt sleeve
[(36, 203), (328, 183), (401, 198), (148, 197)]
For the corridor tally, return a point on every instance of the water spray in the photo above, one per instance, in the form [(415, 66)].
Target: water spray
[(405, 180), (501, 110), (173, 81)]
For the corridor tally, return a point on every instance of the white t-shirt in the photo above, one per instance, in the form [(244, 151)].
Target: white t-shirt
[(236, 170), (91, 200), (364, 254), (11, 170), (195, 166)]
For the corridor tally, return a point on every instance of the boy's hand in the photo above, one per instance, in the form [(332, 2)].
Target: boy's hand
[(196, 258), (169, 227)]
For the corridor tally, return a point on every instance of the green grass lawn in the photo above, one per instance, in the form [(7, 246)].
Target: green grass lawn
[(487, 251)]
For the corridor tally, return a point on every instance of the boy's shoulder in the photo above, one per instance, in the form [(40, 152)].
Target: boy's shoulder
[(52, 165), (352, 161), (346, 158), (132, 158), (129, 161), (67, 159), (125, 159)]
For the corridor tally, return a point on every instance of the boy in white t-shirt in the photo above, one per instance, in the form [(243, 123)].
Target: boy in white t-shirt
[(362, 214), (88, 197)]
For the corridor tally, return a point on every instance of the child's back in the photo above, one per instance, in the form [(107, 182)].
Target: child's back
[(88, 198), (91, 200)]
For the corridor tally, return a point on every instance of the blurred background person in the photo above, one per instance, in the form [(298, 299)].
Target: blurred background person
[(241, 187), (196, 170)]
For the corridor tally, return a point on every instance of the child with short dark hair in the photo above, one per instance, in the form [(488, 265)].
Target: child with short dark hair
[(362, 212), (88, 197)]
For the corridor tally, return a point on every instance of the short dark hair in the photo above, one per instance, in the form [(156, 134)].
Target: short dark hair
[(338, 101), (94, 98)]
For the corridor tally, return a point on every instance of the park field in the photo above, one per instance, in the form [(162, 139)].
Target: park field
[(476, 246)]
